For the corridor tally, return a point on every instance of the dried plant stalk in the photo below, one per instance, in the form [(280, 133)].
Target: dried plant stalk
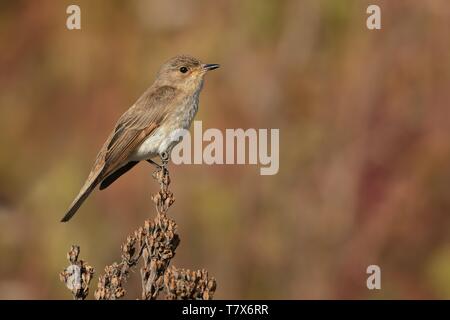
[(161, 240), (187, 284), (78, 275), (160, 244), (155, 243)]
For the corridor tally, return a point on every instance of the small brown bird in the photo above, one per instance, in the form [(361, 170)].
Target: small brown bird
[(145, 131)]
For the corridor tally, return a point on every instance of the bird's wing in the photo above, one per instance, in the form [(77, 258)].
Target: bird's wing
[(130, 131), (136, 125)]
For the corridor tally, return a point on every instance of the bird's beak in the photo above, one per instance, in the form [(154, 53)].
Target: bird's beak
[(211, 66)]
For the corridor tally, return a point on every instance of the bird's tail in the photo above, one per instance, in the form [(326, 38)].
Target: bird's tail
[(92, 181)]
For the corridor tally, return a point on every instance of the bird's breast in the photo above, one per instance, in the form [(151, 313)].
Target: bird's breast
[(169, 132)]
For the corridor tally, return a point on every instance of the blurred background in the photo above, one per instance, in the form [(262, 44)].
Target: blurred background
[(364, 154)]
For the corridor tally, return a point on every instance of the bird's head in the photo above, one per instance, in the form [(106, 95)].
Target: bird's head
[(184, 72)]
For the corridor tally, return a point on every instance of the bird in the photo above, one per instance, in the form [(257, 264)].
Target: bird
[(145, 130)]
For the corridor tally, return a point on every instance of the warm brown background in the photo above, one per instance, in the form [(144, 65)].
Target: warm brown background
[(364, 124)]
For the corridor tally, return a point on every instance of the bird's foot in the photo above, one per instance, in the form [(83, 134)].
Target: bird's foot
[(157, 165), (161, 169), (165, 157)]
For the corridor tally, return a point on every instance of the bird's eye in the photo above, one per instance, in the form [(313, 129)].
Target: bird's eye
[(183, 69)]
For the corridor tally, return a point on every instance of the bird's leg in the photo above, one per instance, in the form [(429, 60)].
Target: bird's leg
[(165, 157), (159, 167), (154, 163)]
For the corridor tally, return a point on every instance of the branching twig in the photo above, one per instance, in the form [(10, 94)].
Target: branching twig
[(187, 284), (156, 243), (78, 275)]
